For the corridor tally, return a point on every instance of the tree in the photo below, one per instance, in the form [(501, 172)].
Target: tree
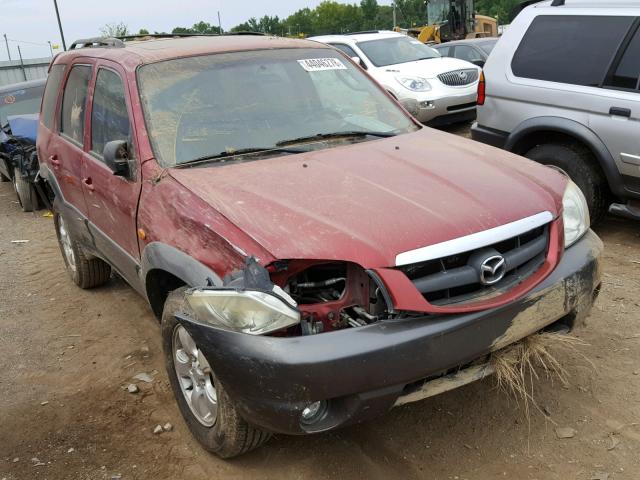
[(411, 12), (143, 31), (203, 28), (119, 29), (369, 10), (500, 9)]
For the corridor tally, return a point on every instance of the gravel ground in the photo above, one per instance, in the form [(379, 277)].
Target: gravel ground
[(68, 356)]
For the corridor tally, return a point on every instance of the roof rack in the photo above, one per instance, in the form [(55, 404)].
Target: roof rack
[(119, 42), (109, 42)]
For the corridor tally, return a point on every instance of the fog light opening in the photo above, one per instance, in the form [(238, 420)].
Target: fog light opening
[(427, 104), (313, 412)]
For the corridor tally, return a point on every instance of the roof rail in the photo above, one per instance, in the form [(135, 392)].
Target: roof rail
[(119, 42), (109, 42)]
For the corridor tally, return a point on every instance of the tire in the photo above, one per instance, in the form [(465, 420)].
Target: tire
[(85, 272), (579, 163), (229, 435), (3, 178), (26, 192)]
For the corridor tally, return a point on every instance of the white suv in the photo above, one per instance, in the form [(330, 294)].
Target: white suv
[(562, 87), (435, 89)]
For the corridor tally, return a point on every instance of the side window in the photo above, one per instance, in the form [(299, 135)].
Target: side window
[(109, 116), (346, 49), (444, 51), (570, 49), (464, 52), (626, 74), (74, 103), (51, 95)]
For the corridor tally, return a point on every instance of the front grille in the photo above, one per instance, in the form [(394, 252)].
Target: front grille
[(457, 278), (459, 78)]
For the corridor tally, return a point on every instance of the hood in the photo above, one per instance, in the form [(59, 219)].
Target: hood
[(430, 68), (367, 202)]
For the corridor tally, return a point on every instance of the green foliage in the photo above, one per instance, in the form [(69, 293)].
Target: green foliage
[(335, 17), (200, 27), (143, 31)]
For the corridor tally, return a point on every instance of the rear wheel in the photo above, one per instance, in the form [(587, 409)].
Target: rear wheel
[(579, 163), (85, 272), (26, 192), (207, 409)]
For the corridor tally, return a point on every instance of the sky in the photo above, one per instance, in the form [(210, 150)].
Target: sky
[(34, 21)]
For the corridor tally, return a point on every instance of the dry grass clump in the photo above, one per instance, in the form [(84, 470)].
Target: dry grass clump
[(518, 366)]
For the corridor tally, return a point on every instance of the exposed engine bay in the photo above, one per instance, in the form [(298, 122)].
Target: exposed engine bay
[(330, 295)]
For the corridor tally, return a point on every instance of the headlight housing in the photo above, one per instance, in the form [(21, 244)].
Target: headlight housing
[(247, 311), (575, 214), (415, 84)]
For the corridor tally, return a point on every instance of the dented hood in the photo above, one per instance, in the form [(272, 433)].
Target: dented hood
[(369, 201)]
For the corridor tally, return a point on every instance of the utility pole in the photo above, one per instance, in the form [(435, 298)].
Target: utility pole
[(64, 44), (395, 23), (50, 48), (24, 73), (219, 22), (6, 42)]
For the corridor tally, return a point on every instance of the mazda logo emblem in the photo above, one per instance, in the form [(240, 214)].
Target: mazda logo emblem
[(492, 270)]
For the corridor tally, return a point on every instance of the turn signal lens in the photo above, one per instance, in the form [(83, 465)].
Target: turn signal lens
[(481, 90)]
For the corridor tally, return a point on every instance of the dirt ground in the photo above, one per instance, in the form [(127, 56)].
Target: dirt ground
[(66, 355)]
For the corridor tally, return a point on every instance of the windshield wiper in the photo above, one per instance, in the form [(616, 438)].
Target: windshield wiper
[(223, 156), (324, 136)]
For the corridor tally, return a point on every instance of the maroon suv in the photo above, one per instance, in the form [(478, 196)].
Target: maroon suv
[(315, 255)]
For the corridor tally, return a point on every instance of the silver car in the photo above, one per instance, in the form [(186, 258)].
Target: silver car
[(562, 87)]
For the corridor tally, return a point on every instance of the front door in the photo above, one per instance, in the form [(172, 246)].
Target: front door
[(112, 200), (617, 117)]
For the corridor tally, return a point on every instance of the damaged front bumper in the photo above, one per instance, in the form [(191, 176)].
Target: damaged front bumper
[(362, 372)]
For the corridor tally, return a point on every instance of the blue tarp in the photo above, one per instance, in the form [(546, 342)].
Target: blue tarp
[(25, 126)]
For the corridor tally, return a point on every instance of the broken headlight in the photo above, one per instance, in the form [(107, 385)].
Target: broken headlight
[(247, 311), (575, 214)]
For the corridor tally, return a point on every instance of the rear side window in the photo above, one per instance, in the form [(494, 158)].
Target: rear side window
[(444, 51), (626, 73), (51, 95), (74, 103), (464, 52), (577, 50), (109, 116)]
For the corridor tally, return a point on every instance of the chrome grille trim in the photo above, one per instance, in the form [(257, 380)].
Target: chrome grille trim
[(473, 241), (459, 78)]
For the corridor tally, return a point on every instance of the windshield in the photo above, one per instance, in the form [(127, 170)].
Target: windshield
[(20, 102), (394, 50), (221, 104)]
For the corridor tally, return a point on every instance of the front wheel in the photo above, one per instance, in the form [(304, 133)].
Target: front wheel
[(207, 409), (26, 192), (578, 162), (85, 272)]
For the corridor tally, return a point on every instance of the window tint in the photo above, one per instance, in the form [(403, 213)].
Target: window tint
[(444, 51), (109, 116), (74, 102), (464, 52), (346, 49), (570, 49), (627, 72), (51, 95)]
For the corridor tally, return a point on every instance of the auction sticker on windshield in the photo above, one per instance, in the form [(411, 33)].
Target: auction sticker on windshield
[(320, 64)]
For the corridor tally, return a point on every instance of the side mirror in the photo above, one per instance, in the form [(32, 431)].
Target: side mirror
[(116, 156), (359, 61), (479, 63)]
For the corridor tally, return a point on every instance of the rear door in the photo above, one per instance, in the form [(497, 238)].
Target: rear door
[(65, 151), (617, 121), (112, 200)]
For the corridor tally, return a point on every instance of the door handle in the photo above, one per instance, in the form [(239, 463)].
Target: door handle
[(54, 161), (620, 112), (88, 182)]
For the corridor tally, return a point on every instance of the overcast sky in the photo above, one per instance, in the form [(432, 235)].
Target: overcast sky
[(35, 21)]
